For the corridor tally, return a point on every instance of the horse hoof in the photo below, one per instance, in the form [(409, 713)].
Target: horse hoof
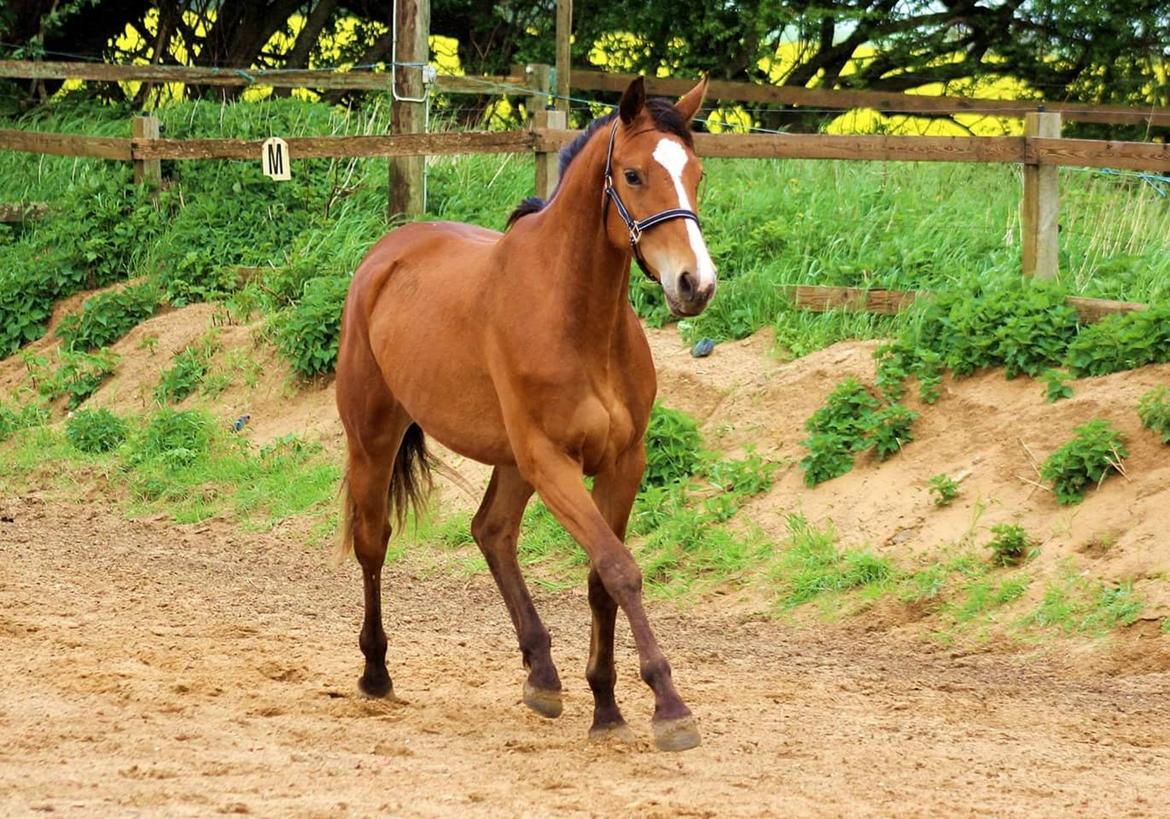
[(617, 732), (542, 701), (676, 734), (376, 687)]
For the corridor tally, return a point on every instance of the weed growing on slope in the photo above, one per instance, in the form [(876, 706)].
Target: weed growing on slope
[(1095, 452), (1009, 544), (943, 489), (1075, 603), (672, 447), (107, 317), (188, 371), (18, 418), (1056, 385), (79, 376), (852, 420), (1154, 411), (95, 431), (809, 564)]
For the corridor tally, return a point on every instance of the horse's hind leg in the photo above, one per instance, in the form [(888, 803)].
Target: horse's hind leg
[(495, 528), (373, 444)]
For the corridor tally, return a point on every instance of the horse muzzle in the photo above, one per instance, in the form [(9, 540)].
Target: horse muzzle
[(686, 294)]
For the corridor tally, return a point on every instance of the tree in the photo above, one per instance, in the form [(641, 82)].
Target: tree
[(1107, 51)]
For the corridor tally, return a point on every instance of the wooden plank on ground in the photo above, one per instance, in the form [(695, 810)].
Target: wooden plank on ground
[(469, 142), (822, 298), (1090, 310), (65, 144), (22, 212)]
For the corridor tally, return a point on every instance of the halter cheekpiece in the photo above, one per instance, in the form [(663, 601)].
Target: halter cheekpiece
[(635, 226)]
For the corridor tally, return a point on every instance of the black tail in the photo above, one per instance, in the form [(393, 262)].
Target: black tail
[(530, 205), (411, 480), (410, 483)]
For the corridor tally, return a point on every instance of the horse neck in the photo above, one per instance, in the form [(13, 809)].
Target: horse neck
[(591, 275)]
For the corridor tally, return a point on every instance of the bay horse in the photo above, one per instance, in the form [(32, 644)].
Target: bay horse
[(521, 350)]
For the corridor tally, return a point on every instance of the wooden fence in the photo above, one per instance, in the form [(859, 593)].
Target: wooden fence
[(526, 81), (822, 299), (1040, 151)]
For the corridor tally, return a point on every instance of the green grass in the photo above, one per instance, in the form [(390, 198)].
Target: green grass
[(768, 223), (185, 466), (1078, 604)]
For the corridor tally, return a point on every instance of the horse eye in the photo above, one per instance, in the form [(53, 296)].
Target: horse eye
[(632, 178)]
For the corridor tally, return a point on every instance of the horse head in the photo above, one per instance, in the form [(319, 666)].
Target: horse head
[(652, 179)]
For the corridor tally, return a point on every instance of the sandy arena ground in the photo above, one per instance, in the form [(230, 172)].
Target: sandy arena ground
[(148, 669)]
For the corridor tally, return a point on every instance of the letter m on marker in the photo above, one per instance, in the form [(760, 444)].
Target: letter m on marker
[(276, 159)]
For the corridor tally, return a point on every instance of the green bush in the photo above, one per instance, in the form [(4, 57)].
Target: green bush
[(1009, 544), (1122, 341), (107, 317), (102, 226), (96, 430), (672, 447), (889, 429), (176, 438), (79, 376), (309, 333), (1095, 452), (852, 420), (846, 414), (1018, 324), (1154, 410)]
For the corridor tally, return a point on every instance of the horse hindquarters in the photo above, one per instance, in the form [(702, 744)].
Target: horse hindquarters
[(385, 470)]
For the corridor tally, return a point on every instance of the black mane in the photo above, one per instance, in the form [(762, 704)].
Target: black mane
[(666, 119)]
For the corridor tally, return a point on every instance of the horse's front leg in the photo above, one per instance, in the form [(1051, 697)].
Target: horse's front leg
[(557, 478), (495, 528), (614, 491)]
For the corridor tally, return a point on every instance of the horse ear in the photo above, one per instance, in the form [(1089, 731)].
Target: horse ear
[(633, 100), (692, 101)]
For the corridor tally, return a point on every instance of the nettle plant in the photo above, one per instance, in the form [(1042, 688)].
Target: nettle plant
[(1095, 452), (1009, 544), (851, 421), (107, 317), (1154, 410), (944, 489)]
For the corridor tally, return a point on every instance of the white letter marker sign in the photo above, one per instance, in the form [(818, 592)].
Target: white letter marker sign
[(274, 159)]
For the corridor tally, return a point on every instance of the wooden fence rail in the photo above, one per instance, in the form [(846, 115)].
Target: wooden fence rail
[(1041, 151), (239, 78), (822, 299), (586, 80), (1019, 150), (836, 99)]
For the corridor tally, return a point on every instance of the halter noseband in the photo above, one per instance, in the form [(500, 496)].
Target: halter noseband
[(635, 226)]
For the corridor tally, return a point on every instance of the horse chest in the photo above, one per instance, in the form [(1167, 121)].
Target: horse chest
[(607, 430)]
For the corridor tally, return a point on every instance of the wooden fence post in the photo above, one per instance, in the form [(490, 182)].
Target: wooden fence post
[(408, 173), (547, 162), (146, 171), (564, 52), (1040, 209), (540, 81)]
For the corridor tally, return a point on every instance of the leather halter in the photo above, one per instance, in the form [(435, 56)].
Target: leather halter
[(637, 226)]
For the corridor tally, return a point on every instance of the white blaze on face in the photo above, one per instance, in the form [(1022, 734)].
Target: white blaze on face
[(671, 155)]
